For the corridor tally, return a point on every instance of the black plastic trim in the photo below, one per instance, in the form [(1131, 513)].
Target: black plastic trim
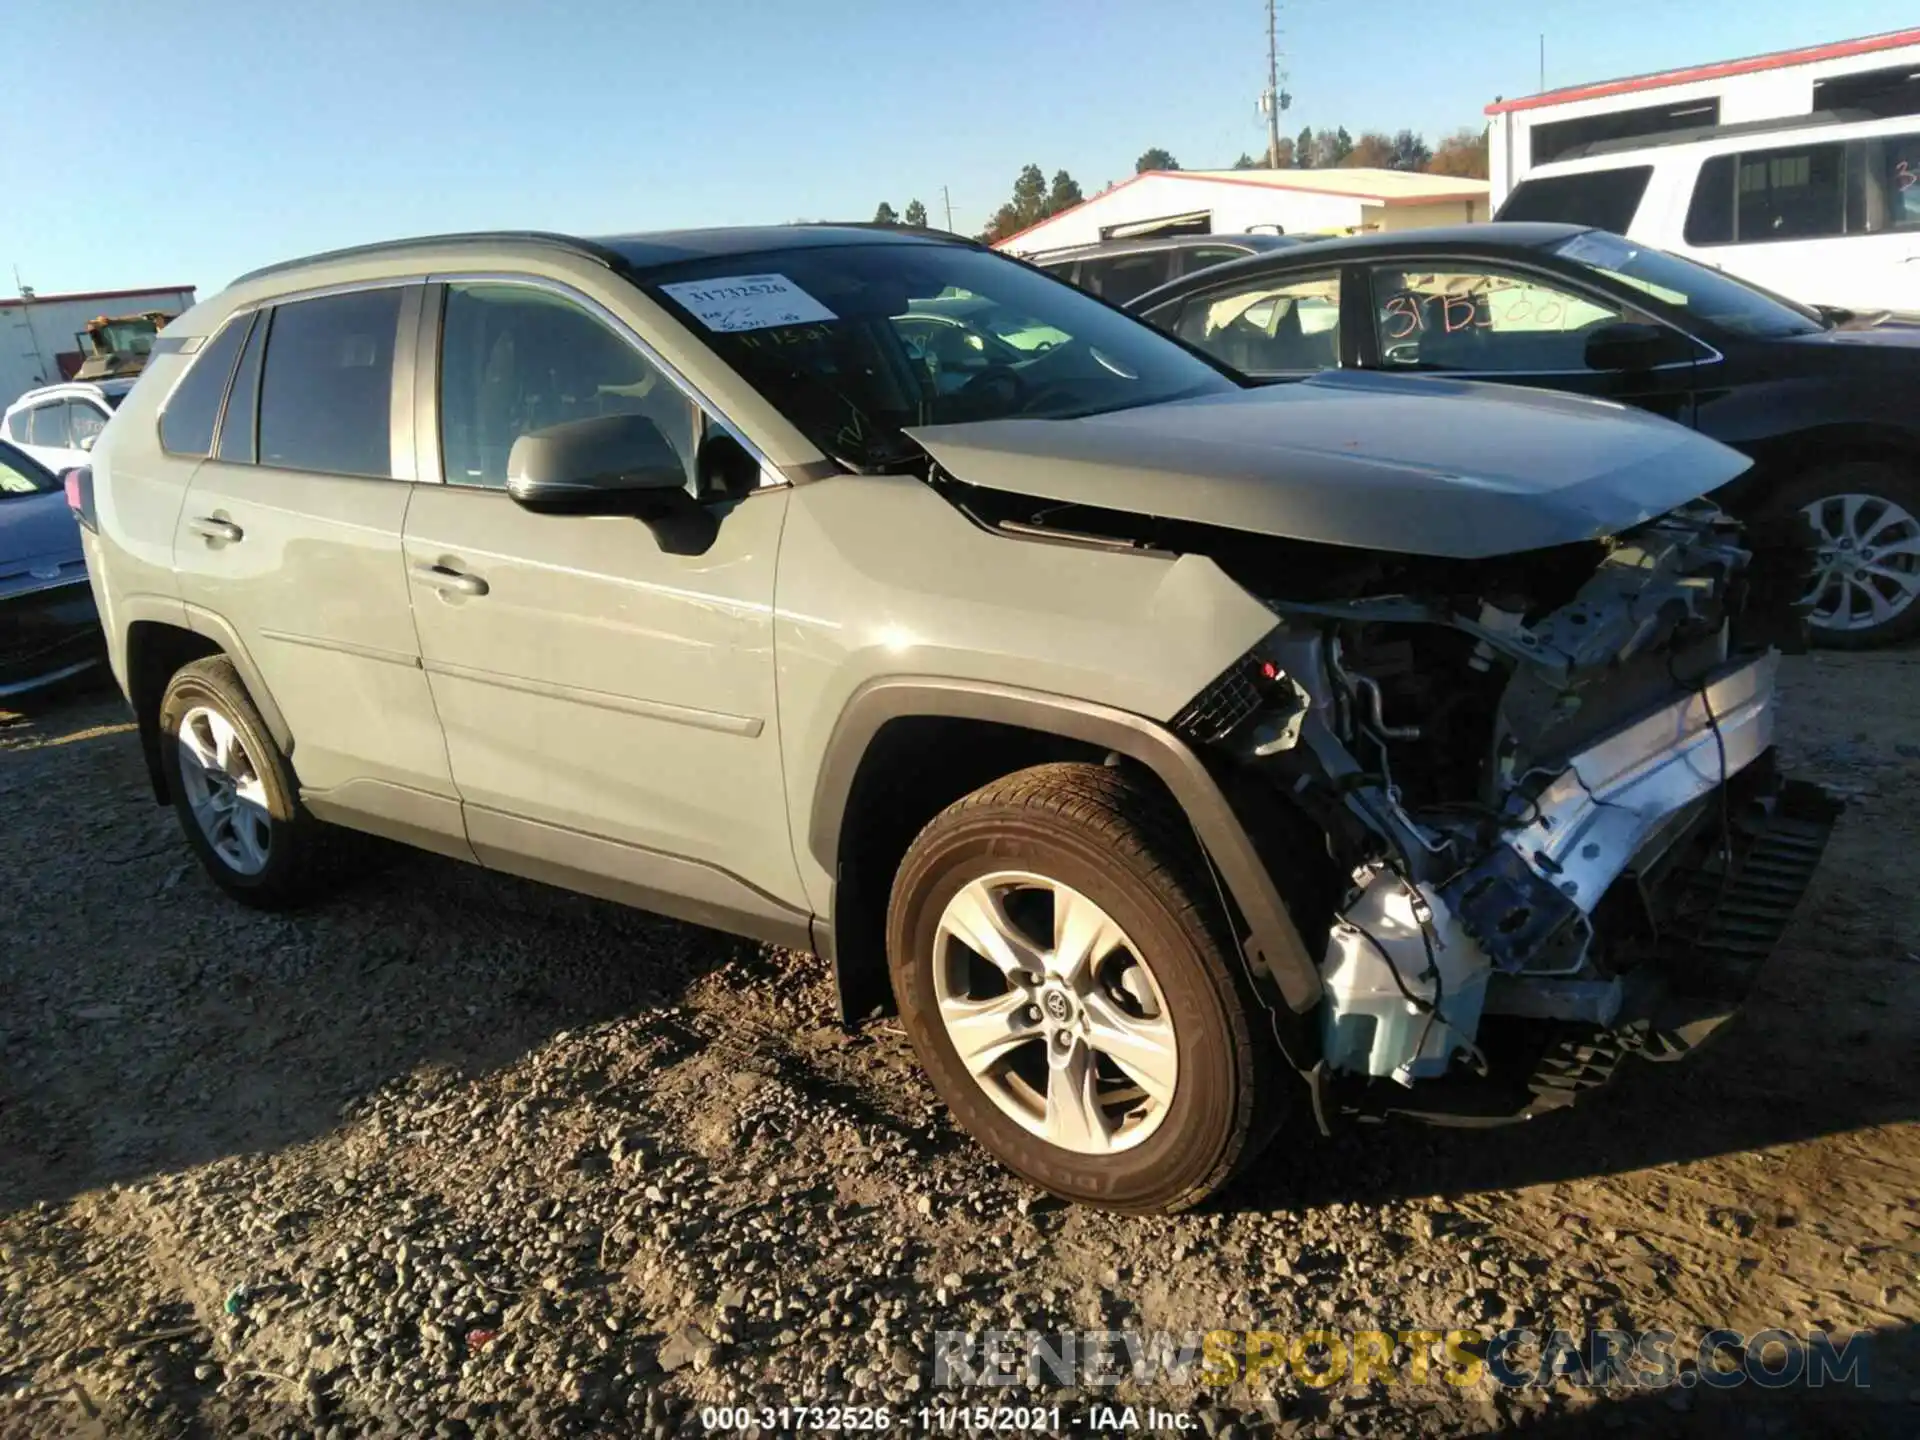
[(1274, 948)]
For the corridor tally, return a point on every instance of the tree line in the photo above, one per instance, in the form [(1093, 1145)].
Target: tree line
[(1035, 198)]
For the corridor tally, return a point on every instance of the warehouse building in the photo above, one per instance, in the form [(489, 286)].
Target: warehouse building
[(1874, 76), (1236, 202), (43, 337)]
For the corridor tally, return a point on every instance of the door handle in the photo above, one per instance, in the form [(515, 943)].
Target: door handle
[(443, 577), (207, 527)]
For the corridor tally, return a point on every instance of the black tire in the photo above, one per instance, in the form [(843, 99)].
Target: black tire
[(298, 851), (1123, 844), (1856, 477)]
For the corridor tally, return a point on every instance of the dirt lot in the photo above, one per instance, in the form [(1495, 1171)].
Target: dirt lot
[(458, 1153)]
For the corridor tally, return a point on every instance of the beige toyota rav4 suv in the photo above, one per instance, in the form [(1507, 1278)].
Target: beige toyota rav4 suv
[(1165, 747)]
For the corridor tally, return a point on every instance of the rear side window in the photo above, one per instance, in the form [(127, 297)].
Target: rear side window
[(1797, 192), (1120, 278), (1201, 256), (186, 425), (86, 421), (326, 388), (1604, 199)]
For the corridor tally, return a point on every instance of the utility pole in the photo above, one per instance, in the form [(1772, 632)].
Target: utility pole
[(1272, 102), (947, 201), (1543, 62)]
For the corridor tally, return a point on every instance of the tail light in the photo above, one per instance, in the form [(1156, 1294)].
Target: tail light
[(79, 484)]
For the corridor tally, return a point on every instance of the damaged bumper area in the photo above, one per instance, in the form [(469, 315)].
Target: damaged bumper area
[(1549, 794)]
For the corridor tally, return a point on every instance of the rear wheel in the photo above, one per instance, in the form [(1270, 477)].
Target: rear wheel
[(1064, 970), (235, 792), (1865, 516)]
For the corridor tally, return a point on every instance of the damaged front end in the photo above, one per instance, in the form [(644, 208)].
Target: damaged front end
[(1547, 788)]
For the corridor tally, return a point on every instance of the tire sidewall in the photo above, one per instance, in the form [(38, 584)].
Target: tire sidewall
[(1186, 1148), (191, 689)]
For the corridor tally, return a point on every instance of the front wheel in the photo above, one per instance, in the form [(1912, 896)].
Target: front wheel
[(1865, 516), (1064, 970)]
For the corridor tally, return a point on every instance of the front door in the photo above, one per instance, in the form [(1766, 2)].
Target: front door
[(608, 705), (1488, 322), (288, 544)]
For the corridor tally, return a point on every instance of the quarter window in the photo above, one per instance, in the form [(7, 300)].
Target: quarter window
[(17, 425), (1481, 321), (326, 387), (186, 425), (1604, 199), (1269, 326), (516, 359)]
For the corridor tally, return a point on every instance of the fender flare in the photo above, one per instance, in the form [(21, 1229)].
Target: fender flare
[(1274, 950)]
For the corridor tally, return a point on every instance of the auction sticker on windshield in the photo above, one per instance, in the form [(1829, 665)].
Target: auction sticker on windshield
[(748, 302)]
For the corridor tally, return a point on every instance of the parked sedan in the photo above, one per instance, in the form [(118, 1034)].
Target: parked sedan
[(49, 629), (1823, 401)]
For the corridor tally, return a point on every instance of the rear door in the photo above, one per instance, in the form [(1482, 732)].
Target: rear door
[(289, 540), (1480, 320)]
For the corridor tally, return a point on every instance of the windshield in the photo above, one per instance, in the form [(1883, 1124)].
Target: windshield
[(20, 476), (1704, 294), (857, 343)]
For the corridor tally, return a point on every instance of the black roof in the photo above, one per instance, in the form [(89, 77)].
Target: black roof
[(643, 251), (1251, 240)]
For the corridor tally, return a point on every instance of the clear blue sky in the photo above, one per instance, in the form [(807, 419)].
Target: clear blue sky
[(231, 133)]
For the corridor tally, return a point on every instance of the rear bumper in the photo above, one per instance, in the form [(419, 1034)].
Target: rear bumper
[(1694, 934), (47, 636)]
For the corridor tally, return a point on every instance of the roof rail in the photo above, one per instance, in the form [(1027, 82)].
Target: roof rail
[(1693, 134), (570, 243)]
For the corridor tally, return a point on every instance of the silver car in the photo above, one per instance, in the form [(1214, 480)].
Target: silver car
[(1166, 750)]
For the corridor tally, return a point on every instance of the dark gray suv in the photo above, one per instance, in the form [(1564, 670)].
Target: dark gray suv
[(1120, 270)]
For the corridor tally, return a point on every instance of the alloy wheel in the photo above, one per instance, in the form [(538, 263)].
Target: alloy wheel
[(1055, 1013), (224, 790), (1869, 562)]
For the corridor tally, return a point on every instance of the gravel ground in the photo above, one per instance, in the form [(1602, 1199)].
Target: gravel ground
[(456, 1153)]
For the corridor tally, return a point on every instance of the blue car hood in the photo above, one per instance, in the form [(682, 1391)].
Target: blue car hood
[(1414, 465), (39, 543)]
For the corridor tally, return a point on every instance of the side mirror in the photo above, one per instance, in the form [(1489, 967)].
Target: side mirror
[(723, 468), (1629, 345), (606, 465), (86, 441)]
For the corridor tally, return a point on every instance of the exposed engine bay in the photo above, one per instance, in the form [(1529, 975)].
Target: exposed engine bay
[(1540, 776)]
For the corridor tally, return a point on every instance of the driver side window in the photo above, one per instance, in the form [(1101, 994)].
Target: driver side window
[(1481, 320), (517, 358)]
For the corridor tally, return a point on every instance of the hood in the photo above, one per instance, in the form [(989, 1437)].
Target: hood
[(1879, 332), (1418, 465), (39, 542)]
